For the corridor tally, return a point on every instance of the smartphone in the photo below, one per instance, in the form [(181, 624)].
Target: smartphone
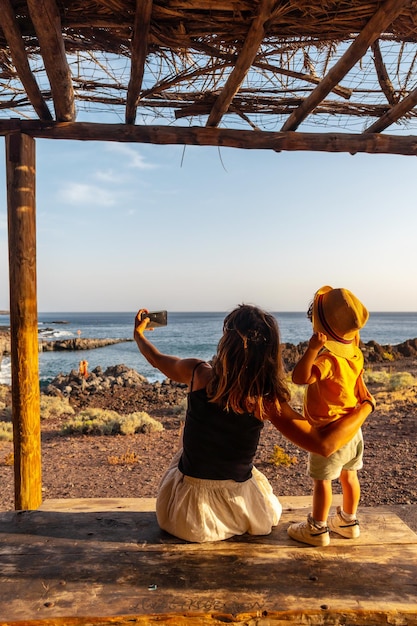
[(158, 318)]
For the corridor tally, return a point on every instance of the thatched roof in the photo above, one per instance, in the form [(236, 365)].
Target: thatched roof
[(344, 66)]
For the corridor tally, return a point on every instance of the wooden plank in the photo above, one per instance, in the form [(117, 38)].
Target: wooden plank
[(385, 15), (117, 566), (47, 22), (138, 56), (245, 139), (243, 62), (21, 171), (15, 42)]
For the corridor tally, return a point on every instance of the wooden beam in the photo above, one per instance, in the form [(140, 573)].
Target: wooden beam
[(47, 22), (380, 20), (205, 48), (231, 138), (15, 42), (394, 114), (20, 166), (243, 63), (138, 56), (382, 74)]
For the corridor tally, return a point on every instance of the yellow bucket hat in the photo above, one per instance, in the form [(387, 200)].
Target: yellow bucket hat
[(340, 315)]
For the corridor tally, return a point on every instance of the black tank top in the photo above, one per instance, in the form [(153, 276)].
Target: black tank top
[(218, 444)]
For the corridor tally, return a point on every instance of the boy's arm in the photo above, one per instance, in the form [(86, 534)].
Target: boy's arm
[(303, 373)]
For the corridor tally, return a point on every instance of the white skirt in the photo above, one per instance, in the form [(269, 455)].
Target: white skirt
[(199, 510)]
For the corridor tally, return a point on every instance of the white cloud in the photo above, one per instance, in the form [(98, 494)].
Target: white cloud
[(82, 194), (109, 176), (136, 160)]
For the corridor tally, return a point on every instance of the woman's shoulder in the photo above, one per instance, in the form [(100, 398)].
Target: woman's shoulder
[(202, 375)]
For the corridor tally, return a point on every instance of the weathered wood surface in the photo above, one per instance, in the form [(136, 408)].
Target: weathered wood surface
[(107, 562), (21, 213), (246, 57), (13, 35), (46, 19), (370, 143), (139, 51)]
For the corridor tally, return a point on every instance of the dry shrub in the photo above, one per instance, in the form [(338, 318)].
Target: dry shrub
[(129, 458), (280, 458), (4, 394), (8, 459), (6, 413), (181, 409), (6, 431)]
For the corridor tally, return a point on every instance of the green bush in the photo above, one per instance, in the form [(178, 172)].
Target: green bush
[(379, 378), (105, 422), (390, 381), (401, 380), (139, 422), (50, 407), (55, 406), (297, 393)]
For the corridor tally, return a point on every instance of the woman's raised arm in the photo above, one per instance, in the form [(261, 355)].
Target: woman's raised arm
[(173, 367), (322, 441)]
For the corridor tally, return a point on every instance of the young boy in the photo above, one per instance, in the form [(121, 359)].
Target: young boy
[(332, 367)]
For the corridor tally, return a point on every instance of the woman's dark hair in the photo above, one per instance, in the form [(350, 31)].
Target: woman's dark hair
[(248, 369)]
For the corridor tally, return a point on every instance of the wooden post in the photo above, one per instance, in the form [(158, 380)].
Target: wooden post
[(20, 165)]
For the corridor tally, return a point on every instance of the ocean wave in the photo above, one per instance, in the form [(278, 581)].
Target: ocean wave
[(53, 333)]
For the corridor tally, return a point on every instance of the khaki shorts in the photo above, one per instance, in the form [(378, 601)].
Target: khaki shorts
[(349, 457)]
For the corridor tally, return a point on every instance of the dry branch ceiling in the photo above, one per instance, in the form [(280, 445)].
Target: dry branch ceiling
[(270, 66)]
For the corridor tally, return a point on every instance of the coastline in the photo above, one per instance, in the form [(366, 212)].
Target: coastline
[(374, 353), (85, 466)]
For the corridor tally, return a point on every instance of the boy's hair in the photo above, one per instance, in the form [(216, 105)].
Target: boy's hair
[(248, 368)]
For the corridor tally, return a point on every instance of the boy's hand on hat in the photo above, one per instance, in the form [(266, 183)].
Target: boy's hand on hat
[(317, 341)]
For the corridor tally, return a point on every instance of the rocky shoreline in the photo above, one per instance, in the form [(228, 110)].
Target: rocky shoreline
[(374, 353), (57, 345)]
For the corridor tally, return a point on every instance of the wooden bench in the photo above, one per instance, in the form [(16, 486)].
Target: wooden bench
[(100, 562)]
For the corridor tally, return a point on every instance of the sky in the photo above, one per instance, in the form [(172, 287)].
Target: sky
[(126, 226)]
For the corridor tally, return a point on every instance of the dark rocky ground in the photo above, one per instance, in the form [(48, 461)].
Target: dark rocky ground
[(79, 466)]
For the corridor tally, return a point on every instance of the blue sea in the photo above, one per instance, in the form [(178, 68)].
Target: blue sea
[(187, 334)]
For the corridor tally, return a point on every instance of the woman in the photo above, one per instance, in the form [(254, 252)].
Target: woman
[(212, 491)]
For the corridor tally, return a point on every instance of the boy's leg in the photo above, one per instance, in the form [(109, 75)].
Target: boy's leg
[(344, 521), (322, 499), (351, 491), (314, 530)]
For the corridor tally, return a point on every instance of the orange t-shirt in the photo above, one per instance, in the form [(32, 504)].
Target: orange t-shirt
[(334, 393)]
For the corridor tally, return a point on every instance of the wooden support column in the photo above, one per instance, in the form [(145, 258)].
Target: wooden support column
[(20, 165)]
